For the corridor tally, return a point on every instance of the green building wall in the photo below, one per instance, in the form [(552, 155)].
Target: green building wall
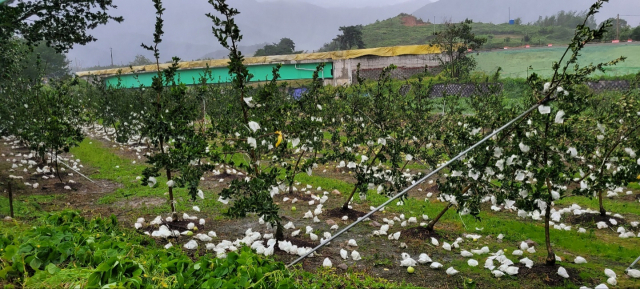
[(221, 74)]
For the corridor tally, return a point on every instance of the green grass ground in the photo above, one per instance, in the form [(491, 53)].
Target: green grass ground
[(515, 62), (602, 248)]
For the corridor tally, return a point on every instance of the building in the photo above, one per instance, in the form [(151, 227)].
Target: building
[(340, 66)]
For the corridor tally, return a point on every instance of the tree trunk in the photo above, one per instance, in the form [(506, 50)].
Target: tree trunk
[(171, 201), (293, 174), (58, 170), (603, 212), (437, 218), (551, 256), (279, 232), (346, 204)]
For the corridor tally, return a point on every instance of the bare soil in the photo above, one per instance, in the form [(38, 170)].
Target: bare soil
[(549, 274), (420, 233), (592, 219), (141, 202), (339, 213)]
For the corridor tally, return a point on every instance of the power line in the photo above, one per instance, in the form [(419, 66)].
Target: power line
[(420, 181)]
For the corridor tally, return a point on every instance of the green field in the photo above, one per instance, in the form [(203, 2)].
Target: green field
[(515, 62)]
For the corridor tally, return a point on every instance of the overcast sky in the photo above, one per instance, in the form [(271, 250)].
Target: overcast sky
[(188, 31), (350, 3)]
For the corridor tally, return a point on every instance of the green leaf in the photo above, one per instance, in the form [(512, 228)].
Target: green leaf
[(52, 269), (94, 280), (5, 271), (35, 263), (107, 265), (9, 252)]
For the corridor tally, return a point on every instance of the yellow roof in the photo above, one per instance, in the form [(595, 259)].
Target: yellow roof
[(334, 55)]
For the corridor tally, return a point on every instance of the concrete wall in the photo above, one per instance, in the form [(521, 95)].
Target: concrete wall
[(338, 72), (370, 67)]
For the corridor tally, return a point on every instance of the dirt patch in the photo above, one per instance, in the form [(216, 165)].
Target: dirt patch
[(411, 21), (339, 213), (419, 233), (224, 175), (141, 202), (631, 198), (592, 219), (549, 274), (297, 195), (128, 151)]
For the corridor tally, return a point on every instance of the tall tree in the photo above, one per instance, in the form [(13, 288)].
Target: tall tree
[(44, 60), (61, 24), (454, 42), (351, 36), (635, 34)]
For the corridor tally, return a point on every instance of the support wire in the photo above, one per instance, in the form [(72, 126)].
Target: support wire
[(420, 181)]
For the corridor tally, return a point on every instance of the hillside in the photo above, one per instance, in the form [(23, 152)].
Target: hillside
[(188, 31), (393, 32), (497, 11)]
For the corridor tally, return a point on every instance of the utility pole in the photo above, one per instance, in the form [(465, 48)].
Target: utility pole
[(509, 15), (618, 27), (111, 55)]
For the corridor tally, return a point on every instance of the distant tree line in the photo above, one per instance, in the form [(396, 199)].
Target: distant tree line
[(137, 61), (284, 47), (568, 19)]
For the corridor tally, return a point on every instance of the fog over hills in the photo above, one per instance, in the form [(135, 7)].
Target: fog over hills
[(309, 23), (188, 31)]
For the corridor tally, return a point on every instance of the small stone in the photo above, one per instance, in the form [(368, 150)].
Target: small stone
[(331, 222), (531, 243), (343, 266), (375, 224), (336, 192)]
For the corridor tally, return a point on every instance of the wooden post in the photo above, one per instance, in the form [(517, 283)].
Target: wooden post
[(10, 200)]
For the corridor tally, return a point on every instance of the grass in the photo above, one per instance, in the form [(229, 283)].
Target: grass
[(118, 169), (598, 246), (25, 205), (514, 63), (613, 205)]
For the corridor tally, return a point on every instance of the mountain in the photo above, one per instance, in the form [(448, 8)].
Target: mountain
[(497, 11), (248, 50), (405, 29), (188, 31)]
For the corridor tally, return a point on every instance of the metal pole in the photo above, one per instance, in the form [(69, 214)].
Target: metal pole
[(111, 55), (76, 171), (420, 181), (618, 27), (634, 262)]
